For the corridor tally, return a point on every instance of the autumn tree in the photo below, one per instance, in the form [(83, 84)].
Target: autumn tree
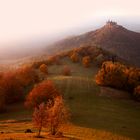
[(40, 117), (66, 71), (2, 101), (74, 57), (50, 115), (11, 87), (86, 61), (43, 68), (42, 92), (58, 115), (137, 93), (27, 75), (112, 74)]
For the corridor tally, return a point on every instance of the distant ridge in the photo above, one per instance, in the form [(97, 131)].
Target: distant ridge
[(111, 37)]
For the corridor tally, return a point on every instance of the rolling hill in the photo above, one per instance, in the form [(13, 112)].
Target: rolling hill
[(111, 37)]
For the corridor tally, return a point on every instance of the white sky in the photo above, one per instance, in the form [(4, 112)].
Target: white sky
[(24, 19)]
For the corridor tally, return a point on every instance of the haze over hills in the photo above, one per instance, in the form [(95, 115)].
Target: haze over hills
[(111, 37)]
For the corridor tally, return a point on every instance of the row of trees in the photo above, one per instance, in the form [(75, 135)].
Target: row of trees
[(84, 54), (119, 76)]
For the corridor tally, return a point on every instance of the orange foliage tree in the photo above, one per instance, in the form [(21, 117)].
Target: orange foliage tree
[(43, 68), (11, 88), (137, 93), (112, 74), (42, 92), (119, 76), (2, 101), (51, 115), (66, 71), (74, 57), (27, 76), (86, 61), (40, 117), (58, 115)]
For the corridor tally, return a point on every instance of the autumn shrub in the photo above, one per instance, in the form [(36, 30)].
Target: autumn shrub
[(137, 93), (133, 75), (86, 61), (74, 57), (42, 92), (66, 71), (43, 68)]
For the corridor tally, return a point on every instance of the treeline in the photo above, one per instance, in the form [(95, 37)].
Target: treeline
[(117, 75), (87, 55), (14, 85)]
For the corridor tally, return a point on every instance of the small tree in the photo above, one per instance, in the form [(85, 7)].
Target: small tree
[(58, 114), (74, 57), (42, 92), (43, 68), (2, 101), (137, 93), (86, 61), (66, 71), (40, 117)]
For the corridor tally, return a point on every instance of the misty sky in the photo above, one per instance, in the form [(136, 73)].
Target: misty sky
[(27, 19)]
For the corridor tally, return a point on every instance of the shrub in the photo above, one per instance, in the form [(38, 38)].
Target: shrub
[(86, 61), (66, 71), (137, 93), (74, 57), (43, 68), (42, 92)]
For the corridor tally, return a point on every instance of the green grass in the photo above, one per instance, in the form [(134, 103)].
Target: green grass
[(93, 117), (89, 110)]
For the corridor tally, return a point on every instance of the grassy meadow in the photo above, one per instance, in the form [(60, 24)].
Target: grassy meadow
[(93, 117)]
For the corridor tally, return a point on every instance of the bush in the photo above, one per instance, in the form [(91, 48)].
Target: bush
[(43, 68), (86, 61), (137, 93), (74, 57), (66, 71)]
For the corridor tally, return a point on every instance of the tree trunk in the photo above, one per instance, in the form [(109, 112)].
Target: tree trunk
[(39, 131)]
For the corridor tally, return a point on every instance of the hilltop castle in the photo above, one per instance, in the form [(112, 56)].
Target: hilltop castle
[(110, 23)]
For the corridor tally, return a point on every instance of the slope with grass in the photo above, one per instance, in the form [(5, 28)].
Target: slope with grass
[(93, 117)]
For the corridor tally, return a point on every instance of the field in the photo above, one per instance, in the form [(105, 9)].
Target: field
[(93, 117)]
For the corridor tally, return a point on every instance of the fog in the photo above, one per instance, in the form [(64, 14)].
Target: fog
[(28, 27)]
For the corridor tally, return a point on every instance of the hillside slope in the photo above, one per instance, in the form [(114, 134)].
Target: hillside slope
[(112, 37)]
